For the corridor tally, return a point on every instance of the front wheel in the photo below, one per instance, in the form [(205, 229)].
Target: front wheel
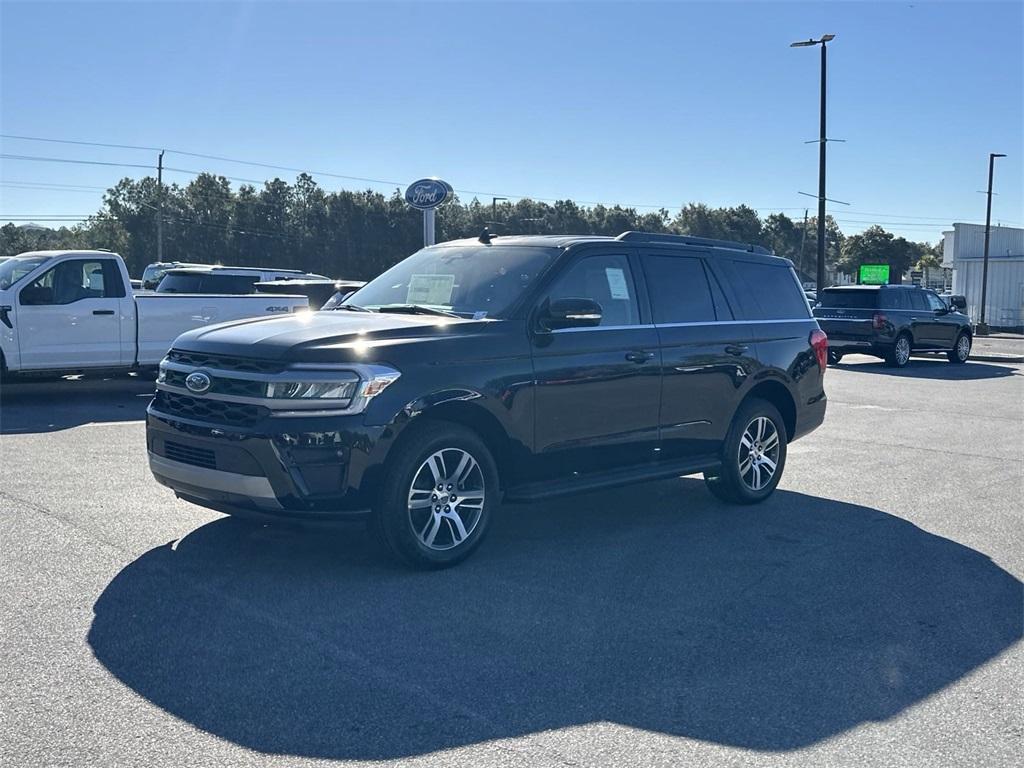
[(437, 496), (753, 456), (961, 350)]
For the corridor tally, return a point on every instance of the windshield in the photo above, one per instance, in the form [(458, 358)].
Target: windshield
[(14, 269), (206, 283), (471, 281)]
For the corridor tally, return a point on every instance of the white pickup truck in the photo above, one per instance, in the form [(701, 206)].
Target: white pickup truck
[(64, 311)]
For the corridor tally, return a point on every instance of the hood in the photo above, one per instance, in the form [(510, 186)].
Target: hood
[(321, 336)]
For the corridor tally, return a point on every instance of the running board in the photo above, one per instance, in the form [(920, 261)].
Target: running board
[(584, 483)]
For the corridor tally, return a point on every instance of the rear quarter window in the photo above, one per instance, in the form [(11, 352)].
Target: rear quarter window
[(849, 299), (768, 291)]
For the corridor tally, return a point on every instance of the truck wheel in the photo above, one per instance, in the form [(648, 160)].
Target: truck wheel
[(437, 496), (899, 355), (753, 456), (961, 350), (834, 357)]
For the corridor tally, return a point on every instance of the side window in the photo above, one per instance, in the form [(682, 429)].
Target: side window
[(917, 300), (679, 289), (894, 298), (934, 302), (71, 281), (770, 292), (608, 280)]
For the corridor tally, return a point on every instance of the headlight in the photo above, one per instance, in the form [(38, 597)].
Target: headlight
[(334, 389), (161, 375)]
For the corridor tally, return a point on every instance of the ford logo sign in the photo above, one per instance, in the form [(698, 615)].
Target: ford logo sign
[(428, 193), (197, 382)]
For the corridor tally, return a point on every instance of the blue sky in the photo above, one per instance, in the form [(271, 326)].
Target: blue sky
[(642, 104)]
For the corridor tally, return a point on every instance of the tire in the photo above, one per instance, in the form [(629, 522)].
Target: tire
[(834, 357), (899, 355), (731, 483), (961, 350), (417, 522)]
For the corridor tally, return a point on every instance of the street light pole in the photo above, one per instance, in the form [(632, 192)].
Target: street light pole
[(821, 178), (160, 207), (494, 207), (822, 141), (982, 328)]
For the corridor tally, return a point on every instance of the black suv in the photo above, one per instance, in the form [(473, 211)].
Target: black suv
[(891, 322), (498, 367)]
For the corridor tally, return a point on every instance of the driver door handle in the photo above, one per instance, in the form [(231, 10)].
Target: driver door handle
[(638, 356), (736, 349), (103, 311)]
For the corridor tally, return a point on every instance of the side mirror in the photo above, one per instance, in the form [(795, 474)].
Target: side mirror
[(959, 303), (36, 295), (569, 313)]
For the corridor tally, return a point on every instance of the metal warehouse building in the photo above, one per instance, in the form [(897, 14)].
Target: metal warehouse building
[(963, 251)]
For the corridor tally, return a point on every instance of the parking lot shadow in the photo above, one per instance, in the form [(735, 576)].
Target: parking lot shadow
[(929, 368), (655, 607), (34, 406)]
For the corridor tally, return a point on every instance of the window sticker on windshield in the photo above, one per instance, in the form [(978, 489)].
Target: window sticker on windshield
[(617, 283), (430, 289), (479, 315)]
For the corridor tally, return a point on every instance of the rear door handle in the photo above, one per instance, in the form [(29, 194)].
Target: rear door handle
[(103, 311), (736, 349), (637, 356)]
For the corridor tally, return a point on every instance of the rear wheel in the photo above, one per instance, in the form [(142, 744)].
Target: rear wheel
[(899, 355), (753, 456), (961, 350), (437, 496)]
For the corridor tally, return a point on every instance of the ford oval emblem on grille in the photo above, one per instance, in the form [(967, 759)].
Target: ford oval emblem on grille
[(198, 382)]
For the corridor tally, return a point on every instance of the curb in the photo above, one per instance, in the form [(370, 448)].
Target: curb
[(997, 358)]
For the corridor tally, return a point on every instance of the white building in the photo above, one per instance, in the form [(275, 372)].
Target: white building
[(963, 251)]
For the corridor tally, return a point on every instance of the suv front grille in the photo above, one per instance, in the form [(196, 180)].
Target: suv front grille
[(224, 362), (219, 385), (209, 411), (186, 454)]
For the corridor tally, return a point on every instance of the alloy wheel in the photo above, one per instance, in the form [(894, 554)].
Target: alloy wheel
[(902, 350), (963, 347), (446, 499), (759, 453)]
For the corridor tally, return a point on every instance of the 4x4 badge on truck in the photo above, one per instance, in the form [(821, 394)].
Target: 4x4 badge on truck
[(197, 382)]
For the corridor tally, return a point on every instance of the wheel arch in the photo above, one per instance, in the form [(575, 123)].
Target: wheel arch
[(468, 414), (778, 394)]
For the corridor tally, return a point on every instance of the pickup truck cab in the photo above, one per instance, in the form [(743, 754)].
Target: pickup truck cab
[(497, 367), (892, 322), (63, 311)]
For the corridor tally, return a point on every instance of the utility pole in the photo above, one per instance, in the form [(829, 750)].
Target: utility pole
[(803, 239), (160, 207), (822, 141), (982, 328)]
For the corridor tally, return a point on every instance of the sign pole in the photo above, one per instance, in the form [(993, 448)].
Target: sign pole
[(429, 238)]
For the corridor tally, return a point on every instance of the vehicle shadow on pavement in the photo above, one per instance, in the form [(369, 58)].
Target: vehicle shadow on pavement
[(928, 368), (32, 406), (655, 607)]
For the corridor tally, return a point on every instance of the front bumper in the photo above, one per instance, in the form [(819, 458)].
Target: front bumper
[(304, 468)]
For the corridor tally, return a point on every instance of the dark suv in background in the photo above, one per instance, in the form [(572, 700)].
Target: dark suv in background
[(891, 322), (498, 367)]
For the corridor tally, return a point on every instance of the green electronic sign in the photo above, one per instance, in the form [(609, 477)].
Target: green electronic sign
[(874, 274)]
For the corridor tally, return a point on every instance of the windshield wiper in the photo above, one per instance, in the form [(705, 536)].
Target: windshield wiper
[(416, 309), (351, 308)]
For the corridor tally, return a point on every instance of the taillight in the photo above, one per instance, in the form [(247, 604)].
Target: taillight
[(819, 343), (878, 321)]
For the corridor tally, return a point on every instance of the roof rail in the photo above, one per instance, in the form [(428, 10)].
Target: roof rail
[(708, 242)]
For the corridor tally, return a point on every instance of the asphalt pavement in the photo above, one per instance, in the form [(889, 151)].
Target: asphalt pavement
[(869, 614)]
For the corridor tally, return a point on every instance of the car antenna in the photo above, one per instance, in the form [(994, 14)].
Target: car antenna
[(485, 236)]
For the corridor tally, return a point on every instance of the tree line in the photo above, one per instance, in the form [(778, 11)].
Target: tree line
[(358, 234)]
